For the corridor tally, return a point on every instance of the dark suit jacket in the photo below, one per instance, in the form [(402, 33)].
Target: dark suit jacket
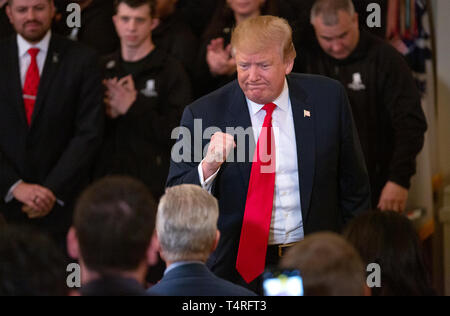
[(56, 151), (195, 279), (333, 178)]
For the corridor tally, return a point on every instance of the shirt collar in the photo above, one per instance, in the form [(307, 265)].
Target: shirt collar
[(181, 263), (281, 102), (24, 46)]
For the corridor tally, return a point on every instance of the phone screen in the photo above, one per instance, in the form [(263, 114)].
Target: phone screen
[(282, 283)]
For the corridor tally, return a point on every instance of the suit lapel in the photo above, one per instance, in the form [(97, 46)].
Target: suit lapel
[(239, 116), (15, 83), (51, 65), (305, 138)]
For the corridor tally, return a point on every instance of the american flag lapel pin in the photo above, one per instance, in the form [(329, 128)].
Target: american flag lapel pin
[(306, 113)]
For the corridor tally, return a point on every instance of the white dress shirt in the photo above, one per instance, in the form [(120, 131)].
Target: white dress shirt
[(25, 58), (287, 222)]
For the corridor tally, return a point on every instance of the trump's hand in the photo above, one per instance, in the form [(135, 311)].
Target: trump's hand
[(219, 148), (393, 198)]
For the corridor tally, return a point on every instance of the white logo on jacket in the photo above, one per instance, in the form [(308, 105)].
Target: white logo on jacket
[(357, 83), (150, 90)]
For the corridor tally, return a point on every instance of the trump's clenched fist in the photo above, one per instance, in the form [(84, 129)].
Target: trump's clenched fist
[(220, 147)]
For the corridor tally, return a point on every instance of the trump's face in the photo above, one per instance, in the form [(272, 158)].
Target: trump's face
[(31, 18), (262, 75)]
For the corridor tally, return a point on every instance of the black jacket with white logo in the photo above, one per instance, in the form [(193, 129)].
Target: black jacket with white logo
[(138, 143), (386, 106)]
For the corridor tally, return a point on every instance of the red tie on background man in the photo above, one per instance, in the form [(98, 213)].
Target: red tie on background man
[(251, 257), (30, 87)]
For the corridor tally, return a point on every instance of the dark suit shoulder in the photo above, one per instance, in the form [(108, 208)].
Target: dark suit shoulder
[(196, 280), (5, 47), (76, 50)]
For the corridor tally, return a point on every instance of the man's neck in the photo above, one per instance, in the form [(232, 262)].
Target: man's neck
[(131, 54), (241, 18), (139, 274)]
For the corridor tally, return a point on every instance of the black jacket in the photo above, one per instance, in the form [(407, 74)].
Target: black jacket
[(176, 38), (138, 144), (97, 29), (386, 105)]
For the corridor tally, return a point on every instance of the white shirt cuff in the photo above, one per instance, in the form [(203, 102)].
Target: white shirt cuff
[(208, 183), (9, 197)]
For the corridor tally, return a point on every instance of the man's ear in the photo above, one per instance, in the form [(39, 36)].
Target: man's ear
[(289, 64), (356, 19), (115, 20), (73, 247), (216, 242), (367, 290), (8, 12), (153, 250), (53, 8), (155, 23)]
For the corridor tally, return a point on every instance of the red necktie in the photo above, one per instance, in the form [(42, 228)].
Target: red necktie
[(251, 257), (30, 87)]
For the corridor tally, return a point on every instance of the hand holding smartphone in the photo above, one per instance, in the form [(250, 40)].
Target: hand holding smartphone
[(282, 283)]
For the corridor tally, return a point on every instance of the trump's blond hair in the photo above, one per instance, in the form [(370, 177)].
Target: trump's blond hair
[(256, 34)]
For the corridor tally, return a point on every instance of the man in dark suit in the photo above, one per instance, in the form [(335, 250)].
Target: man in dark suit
[(51, 118), (185, 251), (113, 237), (315, 178)]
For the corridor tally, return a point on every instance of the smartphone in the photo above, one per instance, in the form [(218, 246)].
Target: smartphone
[(282, 283)]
